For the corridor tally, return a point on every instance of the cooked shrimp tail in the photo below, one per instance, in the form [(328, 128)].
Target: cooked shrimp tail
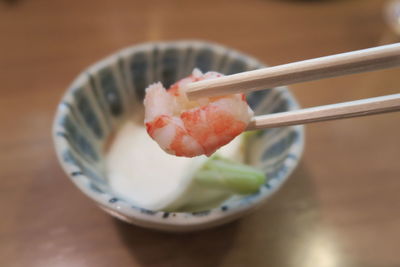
[(192, 128)]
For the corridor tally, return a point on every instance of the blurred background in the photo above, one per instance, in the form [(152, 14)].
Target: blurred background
[(340, 207)]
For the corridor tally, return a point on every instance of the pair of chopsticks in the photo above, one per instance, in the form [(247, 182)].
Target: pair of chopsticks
[(381, 57)]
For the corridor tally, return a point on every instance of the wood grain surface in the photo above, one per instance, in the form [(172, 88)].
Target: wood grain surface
[(340, 207)]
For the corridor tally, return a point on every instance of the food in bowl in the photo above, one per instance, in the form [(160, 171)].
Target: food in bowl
[(140, 172), (188, 130)]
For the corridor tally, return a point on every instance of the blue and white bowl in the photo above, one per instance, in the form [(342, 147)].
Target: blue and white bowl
[(110, 91)]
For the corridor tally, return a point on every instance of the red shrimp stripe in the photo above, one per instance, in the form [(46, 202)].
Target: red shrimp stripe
[(157, 123), (208, 121)]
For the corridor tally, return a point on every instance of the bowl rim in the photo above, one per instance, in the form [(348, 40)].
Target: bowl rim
[(162, 219)]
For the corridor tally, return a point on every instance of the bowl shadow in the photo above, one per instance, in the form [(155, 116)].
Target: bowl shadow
[(154, 248), (272, 234)]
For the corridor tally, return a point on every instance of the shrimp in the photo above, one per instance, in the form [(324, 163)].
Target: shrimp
[(192, 128)]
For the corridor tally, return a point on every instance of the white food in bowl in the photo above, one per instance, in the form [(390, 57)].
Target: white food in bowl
[(143, 174)]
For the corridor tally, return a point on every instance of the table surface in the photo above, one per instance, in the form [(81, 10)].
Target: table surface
[(339, 208)]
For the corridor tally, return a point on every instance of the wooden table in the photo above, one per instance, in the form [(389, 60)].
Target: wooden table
[(340, 207)]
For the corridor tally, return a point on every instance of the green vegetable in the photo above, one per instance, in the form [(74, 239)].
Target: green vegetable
[(222, 173)]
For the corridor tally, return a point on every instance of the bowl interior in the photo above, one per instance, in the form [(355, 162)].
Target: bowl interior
[(112, 90)]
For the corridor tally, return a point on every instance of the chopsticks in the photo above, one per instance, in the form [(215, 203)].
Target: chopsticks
[(381, 57), (376, 58), (363, 107)]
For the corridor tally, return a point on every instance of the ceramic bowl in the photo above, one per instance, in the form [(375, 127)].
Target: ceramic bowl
[(110, 91)]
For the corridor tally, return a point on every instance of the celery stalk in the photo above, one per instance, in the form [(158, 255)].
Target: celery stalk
[(222, 173)]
